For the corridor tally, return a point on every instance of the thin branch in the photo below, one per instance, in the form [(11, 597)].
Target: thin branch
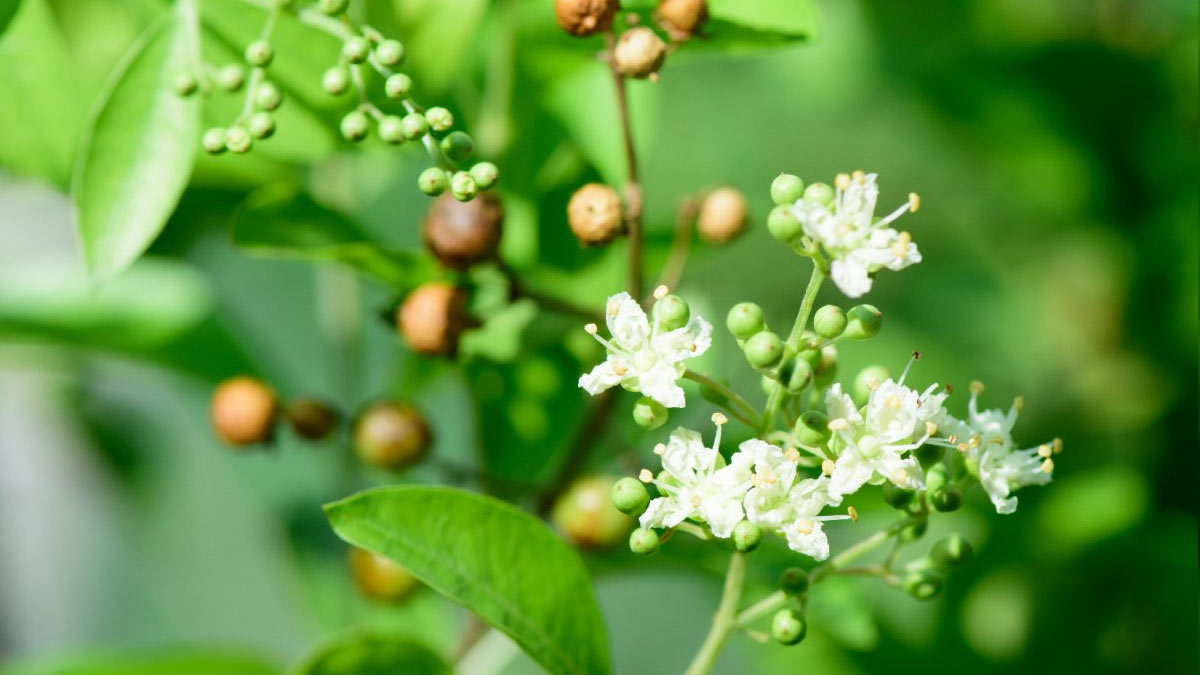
[(633, 188), (681, 244)]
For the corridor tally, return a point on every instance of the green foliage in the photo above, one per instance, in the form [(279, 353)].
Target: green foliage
[(208, 662), (371, 654)]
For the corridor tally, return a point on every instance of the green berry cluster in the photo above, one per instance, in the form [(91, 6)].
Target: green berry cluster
[(788, 625)]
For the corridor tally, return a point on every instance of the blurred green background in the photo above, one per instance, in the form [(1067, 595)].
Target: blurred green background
[(1053, 145)]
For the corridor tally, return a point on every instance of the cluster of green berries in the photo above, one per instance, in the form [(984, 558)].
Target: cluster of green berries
[(786, 190)]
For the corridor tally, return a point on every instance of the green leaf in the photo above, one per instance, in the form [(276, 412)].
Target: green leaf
[(191, 663), (496, 560), (8, 9), (366, 654), (796, 18), (280, 222), (137, 154)]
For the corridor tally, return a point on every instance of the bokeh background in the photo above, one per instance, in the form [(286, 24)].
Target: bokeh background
[(1053, 144)]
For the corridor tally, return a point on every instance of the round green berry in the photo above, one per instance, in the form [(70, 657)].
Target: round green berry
[(812, 428), (936, 478), (923, 585), (946, 499), (798, 377), (415, 126), (485, 174), (184, 84), (433, 181), (746, 536), (862, 322), (398, 85), (744, 320), (928, 454), (355, 125), (672, 312), (951, 551), (261, 125), (643, 541), (238, 139), (896, 496), (463, 187), (786, 189), (356, 49), (457, 145), (829, 321), (259, 53), (214, 141), (649, 414), (440, 119), (915, 531), (788, 627), (764, 349), (820, 193), (230, 77), (784, 225), (390, 52), (267, 96), (391, 129), (332, 7), (336, 80), (630, 496), (867, 380), (794, 581)]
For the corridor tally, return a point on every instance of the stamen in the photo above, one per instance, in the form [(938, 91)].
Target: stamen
[(859, 176), (660, 449), (620, 370), (841, 181), (612, 308), (914, 201), (792, 454), (916, 356), (949, 389), (1048, 466), (645, 476), (591, 329), (976, 387), (853, 513), (719, 418), (838, 423), (952, 439), (963, 447), (661, 292), (1044, 450), (805, 526), (1058, 445), (1018, 403), (930, 428), (827, 467)]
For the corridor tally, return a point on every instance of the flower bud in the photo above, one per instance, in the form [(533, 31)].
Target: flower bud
[(185, 84), (746, 536), (812, 428), (863, 321), (415, 126), (391, 129), (457, 145), (584, 515), (238, 139), (829, 321), (936, 478), (460, 234), (336, 80), (354, 126), (722, 215), (643, 541), (594, 214), (649, 414), (783, 224), (820, 193), (896, 496), (788, 627), (332, 7), (867, 380), (639, 52), (798, 376), (764, 349), (267, 96), (259, 53), (794, 581), (630, 496), (681, 18), (433, 181), (951, 551), (672, 312), (485, 174), (390, 52), (463, 187), (398, 85), (230, 77), (585, 17), (432, 317), (311, 419), (214, 140), (261, 125), (946, 499), (915, 531), (439, 118), (380, 578), (391, 435), (826, 368), (744, 320), (922, 585), (356, 49), (243, 411), (786, 189)]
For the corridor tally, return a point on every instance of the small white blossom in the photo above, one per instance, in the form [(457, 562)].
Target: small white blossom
[(805, 533), (643, 358), (699, 485), (857, 244), (781, 504)]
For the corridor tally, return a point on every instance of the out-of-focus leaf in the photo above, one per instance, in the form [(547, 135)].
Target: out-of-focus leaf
[(498, 561), (210, 662), (1081, 510), (439, 36), (8, 9), (365, 654), (796, 18), (136, 156)]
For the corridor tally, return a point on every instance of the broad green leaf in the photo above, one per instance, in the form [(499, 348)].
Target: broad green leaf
[(280, 222), (496, 560), (8, 9), (367, 654), (788, 17), (440, 35), (192, 662), (137, 154)]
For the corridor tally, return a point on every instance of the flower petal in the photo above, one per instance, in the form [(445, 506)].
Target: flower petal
[(600, 378), (850, 472), (659, 384), (850, 275), (627, 322), (687, 342)]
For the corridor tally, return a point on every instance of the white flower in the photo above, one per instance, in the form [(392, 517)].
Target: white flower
[(699, 484), (858, 244), (805, 533), (642, 358)]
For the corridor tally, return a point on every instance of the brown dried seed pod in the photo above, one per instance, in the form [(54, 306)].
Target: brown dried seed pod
[(311, 418), (594, 214), (585, 17), (432, 317), (722, 215), (639, 52), (243, 411), (586, 517), (681, 18), (380, 578), (391, 435), (460, 234)]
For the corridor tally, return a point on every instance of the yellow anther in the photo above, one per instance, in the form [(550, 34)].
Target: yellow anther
[(805, 526), (963, 447), (853, 512), (696, 501), (661, 292), (1019, 403), (873, 383), (976, 387), (1048, 466), (827, 467), (591, 328), (719, 418), (952, 439), (612, 308), (660, 449), (792, 454), (841, 181), (1045, 450), (859, 176), (837, 424), (914, 202), (645, 476), (930, 428), (620, 370), (1057, 445)]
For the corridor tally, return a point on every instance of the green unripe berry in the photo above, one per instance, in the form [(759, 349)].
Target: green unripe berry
[(820, 193), (812, 428), (457, 145), (332, 7), (390, 52), (946, 499), (398, 85), (764, 349), (784, 225), (230, 77), (867, 380), (214, 141), (259, 53), (786, 189), (433, 181), (936, 478), (951, 551), (649, 414), (415, 126), (463, 187), (439, 118), (928, 454), (862, 322), (829, 321), (643, 541), (336, 80), (746, 536), (485, 174), (672, 312), (267, 96), (915, 531), (355, 125), (261, 125), (391, 129), (744, 320), (826, 368), (185, 84), (794, 581), (923, 585), (896, 496), (788, 627), (238, 139), (799, 376), (356, 49), (629, 495)]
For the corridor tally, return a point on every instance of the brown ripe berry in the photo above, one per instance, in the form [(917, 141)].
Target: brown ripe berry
[(243, 411), (722, 215), (460, 234), (586, 516), (639, 52), (681, 18), (594, 214), (379, 578), (391, 435), (310, 418), (432, 317), (585, 17)]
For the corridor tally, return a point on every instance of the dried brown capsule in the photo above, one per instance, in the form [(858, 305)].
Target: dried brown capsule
[(722, 215), (585, 17), (586, 516), (460, 234), (380, 578), (311, 418), (594, 214), (243, 411), (681, 18), (432, 317), (639, 52), (391, 435)]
